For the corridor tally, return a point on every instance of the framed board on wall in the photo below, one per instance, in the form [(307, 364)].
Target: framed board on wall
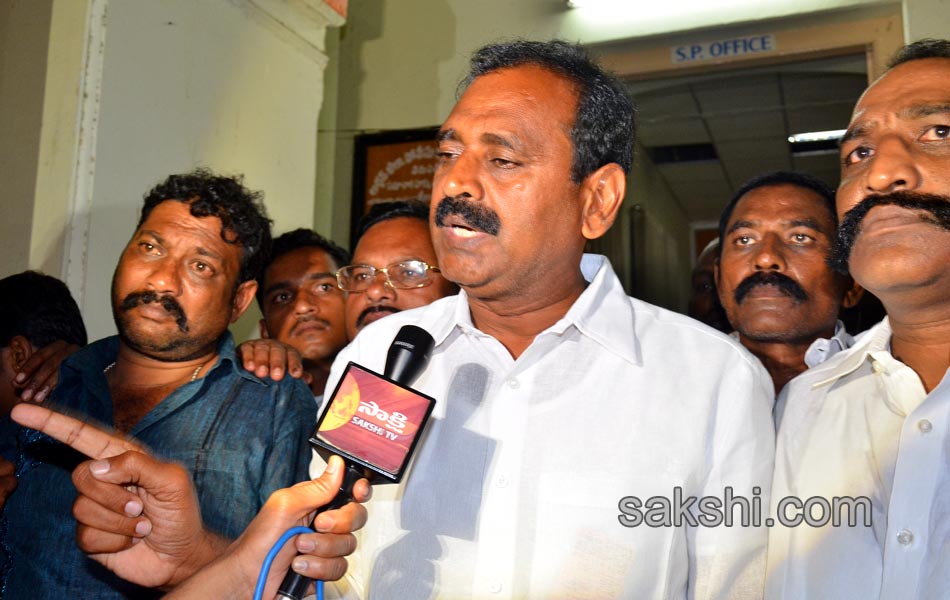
[(392, 166)]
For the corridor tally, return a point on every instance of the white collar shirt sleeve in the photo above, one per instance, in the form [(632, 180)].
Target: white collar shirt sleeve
[(515, 491)]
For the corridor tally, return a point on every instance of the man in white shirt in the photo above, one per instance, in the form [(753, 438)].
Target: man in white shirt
[(565, 409), (873, 422), (773, 277)]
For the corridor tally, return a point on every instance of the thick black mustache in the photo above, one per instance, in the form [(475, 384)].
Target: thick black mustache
[(373, 309), (782, 282), (938, 208), (168, 303), (476, 216)]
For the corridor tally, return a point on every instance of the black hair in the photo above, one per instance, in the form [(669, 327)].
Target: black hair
[(243, 218), (385, 211), (603, 130), (294, 240), (802, 180), (925, 48), (40, 308)]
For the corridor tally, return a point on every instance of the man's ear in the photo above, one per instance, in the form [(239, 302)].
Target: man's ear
[(263, 327), (242, 299), (716, 272), (602, 192), (20, 351), (853, 295)]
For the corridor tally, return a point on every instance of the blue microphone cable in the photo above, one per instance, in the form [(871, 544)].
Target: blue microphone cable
[(265, 567)]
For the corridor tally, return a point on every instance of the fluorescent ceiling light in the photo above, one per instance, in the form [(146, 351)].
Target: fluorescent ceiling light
[(816, 136)]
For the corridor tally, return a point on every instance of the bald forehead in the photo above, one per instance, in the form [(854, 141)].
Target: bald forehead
[(394, 240)]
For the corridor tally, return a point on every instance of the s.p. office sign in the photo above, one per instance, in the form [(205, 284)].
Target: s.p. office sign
[(724, 49)]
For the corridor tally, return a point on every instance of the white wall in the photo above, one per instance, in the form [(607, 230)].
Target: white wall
[(926, 18), (24, 37), (196, 83)]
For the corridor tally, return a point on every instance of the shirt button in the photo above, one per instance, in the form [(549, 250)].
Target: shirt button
[(514, 383), (925, 426), (495, 587), (502, 481), (905, 537)]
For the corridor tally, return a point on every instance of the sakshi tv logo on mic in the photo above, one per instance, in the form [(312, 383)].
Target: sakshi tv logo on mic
[(373, 418)]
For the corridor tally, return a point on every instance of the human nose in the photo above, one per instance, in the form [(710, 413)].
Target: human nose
[(892, 167), (460, 177), (304, 302), (165, 277), (380, 289), (769, 255)]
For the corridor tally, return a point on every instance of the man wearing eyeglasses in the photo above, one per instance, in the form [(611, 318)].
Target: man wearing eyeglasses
[(394, 265), (300, 300)]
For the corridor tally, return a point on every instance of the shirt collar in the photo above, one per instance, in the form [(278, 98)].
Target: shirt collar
[(102, 353), (602, 312), (824, 348), (877, 339)]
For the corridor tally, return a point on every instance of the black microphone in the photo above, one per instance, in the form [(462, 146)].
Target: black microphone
[(409, 354), (373, 424)]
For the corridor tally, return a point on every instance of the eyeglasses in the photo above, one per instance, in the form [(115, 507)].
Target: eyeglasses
[(403, 275)]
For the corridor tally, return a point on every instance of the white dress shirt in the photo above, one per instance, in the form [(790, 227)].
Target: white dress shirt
[(862, 425), (515, 490)]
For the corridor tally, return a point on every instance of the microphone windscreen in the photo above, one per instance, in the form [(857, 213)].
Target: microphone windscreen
[(408, 354)]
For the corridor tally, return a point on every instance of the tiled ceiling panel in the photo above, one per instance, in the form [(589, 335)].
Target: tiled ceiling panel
[(823, 166), (747, 118), (727, 95), (673, 131)]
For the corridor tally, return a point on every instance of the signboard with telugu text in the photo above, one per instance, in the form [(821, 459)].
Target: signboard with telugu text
[(393, 166)]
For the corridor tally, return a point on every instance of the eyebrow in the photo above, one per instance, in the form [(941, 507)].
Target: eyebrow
[(740, 225), (287, 284), (916, 111), (205, 252), (809, 223), (489, 139), (152, 233)]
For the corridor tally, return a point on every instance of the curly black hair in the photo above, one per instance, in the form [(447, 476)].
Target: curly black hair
[(243, 218), (296, 239), (802, 180), (925, 48), (40, 308), (603, 130)]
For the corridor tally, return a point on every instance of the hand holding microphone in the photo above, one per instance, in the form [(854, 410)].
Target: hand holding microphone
[(374, 422), (139, 517)]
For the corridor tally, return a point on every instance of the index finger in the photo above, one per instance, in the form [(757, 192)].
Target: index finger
[(86, 438)]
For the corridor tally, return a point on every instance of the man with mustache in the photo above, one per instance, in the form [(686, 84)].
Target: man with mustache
[(393, 236), (557, 395), (301, 303), (171, 380), (873, 422), (560, 400), (773, 277)]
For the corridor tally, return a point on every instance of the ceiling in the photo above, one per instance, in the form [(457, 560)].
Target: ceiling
[(728, 127)]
